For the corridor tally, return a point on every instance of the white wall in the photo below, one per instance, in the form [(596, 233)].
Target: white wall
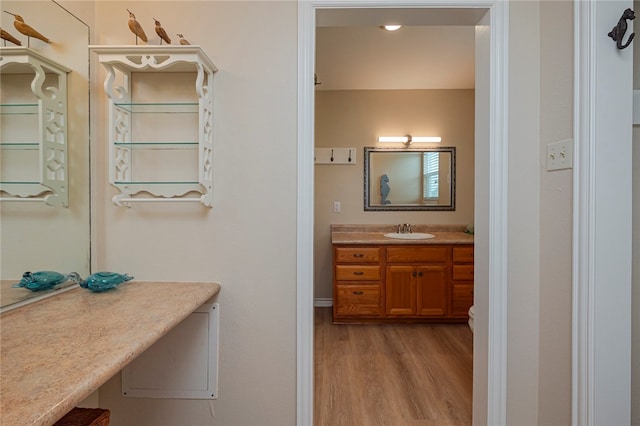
[(247, 241)]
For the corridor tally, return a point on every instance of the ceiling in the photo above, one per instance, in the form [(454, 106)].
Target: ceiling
[(435, 49)]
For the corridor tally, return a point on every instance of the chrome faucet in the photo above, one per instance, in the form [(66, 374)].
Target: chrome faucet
[(404, 228)]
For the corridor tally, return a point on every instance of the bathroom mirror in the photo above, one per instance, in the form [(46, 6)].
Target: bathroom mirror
[(409, 179), (35, 236)]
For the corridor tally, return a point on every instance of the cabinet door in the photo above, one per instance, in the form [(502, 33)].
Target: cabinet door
[(432, 290), (401, 290)]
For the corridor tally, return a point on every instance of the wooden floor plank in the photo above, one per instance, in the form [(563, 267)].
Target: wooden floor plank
[(391, 374)]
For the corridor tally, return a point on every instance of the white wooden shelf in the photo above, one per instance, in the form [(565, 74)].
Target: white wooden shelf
[(33, 129), (160, 122)]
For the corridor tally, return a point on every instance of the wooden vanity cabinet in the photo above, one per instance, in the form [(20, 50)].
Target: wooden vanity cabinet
[(462, 281), (416, 281), (357, 282), (387, 283)]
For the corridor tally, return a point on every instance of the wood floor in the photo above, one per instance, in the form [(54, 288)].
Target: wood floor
[(396, 375)]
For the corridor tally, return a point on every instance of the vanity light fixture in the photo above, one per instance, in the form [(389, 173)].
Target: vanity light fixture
[(391, 27), (408, 139)]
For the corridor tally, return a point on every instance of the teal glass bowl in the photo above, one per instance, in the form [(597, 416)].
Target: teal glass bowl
[(41, 280), (104, 281)]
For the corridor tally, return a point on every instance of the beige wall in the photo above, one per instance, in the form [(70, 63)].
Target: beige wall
[(247, 242), (555, 285), (524, 227), (353, 119), (256, 171)]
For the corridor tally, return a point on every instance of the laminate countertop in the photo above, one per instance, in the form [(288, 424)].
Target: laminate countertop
[(374, 234), (57, 351)]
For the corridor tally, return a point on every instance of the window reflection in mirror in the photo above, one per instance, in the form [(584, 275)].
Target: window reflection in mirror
[(397, 179)]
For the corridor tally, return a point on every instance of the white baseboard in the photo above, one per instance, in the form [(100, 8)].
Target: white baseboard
[(322, 303)]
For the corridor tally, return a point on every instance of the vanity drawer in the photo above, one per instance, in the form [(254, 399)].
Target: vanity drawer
[(357, 300), (437, 254), (357, 254), (463, 254), (463, 272), (462, 299), (357, 273)]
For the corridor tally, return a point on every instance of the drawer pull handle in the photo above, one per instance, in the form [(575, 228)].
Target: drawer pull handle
[(358, 292), (358, 273), (358, 255)]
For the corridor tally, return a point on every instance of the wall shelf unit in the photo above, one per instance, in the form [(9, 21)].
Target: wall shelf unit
[(160, 122), (33, 127)]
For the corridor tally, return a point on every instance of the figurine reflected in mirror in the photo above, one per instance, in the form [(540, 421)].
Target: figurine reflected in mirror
[(6, 36), (25, 29), (385, 188)]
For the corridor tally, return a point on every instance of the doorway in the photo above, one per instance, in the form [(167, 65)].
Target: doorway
[(373, 82), (490, 348)]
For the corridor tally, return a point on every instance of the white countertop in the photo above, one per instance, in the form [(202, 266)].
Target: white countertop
[(57, 351)]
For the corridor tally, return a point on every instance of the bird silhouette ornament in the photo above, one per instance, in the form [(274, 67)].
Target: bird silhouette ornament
[(25, 29), (161, 32), (136, 28), (6, 36)]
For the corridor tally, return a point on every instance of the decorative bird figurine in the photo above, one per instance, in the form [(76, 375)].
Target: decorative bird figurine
[(183, 41), (8, 37), (161, 32), (136, 28), (26, 29)]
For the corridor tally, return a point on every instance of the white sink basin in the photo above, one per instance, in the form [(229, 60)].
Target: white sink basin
[(409, 236)]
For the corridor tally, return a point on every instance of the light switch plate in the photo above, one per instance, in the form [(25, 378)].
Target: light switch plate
[(560, 155)]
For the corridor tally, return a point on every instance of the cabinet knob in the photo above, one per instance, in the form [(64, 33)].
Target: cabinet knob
[(358, 292), (358, 273), (419, 274), (414, 274)]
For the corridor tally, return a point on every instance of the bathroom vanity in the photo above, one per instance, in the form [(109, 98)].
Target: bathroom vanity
[(57, 351), (382, 279)]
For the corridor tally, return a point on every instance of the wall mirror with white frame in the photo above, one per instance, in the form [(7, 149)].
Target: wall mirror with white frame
[(36, 236), (409, 179)]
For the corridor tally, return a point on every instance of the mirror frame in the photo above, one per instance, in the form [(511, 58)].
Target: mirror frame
[(408, 207)]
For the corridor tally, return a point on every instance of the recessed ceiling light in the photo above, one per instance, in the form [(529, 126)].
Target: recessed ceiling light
[(392, 27)]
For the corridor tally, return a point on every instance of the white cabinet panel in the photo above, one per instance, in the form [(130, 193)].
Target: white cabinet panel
[(183, 364)]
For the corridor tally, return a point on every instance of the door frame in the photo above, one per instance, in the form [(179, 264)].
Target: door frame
[(602, 246), (495, 319)]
